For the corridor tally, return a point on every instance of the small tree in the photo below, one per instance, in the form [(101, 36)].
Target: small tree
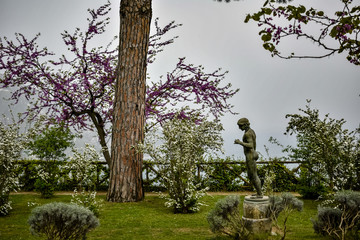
[(51, 143), (329, 152), (78, 88), (11, 144), (185, 143), (49, 146), (83, 167)]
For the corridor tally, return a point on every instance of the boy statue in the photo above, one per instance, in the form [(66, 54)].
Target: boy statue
[(249, 144)]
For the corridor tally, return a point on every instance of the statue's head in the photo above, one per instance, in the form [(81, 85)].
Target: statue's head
[(243, 123)]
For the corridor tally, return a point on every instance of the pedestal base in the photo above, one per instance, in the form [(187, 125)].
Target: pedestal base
[(255, 215)]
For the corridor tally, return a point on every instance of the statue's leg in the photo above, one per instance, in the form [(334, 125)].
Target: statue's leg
[(257, 184), (254, 178)]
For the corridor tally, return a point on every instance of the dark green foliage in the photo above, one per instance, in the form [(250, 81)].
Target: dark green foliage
[(46, 189), (4, 204), (29, 172), (341, 218), (51, 143), (309, 185), (226, 219), (225, 176), (62, 221), (285, 180), (220, 175)]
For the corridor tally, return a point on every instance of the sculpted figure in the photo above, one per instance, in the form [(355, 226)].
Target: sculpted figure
[(249, 144)]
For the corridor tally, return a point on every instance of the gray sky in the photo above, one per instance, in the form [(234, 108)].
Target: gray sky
[(214, 35)]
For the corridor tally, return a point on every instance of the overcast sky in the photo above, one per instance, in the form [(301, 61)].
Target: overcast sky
[(214, 35)]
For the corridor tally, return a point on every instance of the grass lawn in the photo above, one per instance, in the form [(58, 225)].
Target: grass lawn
[(148, 219)]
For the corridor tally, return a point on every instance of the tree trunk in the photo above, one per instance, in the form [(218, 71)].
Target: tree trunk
[(99, 125), (129, 106)]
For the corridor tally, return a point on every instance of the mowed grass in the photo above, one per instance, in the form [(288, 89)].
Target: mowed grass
[(148, 219)]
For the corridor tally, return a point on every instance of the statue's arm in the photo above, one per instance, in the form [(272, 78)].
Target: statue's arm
[(249, 141)]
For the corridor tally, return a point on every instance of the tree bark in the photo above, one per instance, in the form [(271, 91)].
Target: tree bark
[(129, 106), (99, 125)]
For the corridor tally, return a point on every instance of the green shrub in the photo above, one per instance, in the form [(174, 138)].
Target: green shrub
[(45, 188), (29, 171), (223, 176), (226, 219), (48, 179), (283, 179), (62, 221), (339, 218), (309, 186), (50, 143)]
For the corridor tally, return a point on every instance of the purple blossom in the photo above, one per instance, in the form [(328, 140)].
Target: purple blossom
[(82, 96)]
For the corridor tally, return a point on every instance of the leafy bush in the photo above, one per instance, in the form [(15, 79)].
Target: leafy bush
[(51, 143), (222, 176), (309, 186), (45, 187), (184, 144), (327, 150), (226, 219), (84, 173), (339, 218), (29, 171), (62, 221), (283, 179), (11, 143)]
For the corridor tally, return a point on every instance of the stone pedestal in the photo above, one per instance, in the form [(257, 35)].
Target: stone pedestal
[(255, 215)]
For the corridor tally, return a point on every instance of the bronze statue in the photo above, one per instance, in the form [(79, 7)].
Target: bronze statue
[(249, 144)]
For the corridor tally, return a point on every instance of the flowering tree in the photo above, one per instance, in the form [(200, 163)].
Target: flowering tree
[(78, 88), (282, 22), (184, 144), (328, 151), (11, 144)]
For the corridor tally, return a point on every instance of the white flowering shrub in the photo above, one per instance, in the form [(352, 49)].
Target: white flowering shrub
[(11, 144), (184, 143), (88, 200), (83, 171), (82, 167), (328, 152), (47, 179)]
